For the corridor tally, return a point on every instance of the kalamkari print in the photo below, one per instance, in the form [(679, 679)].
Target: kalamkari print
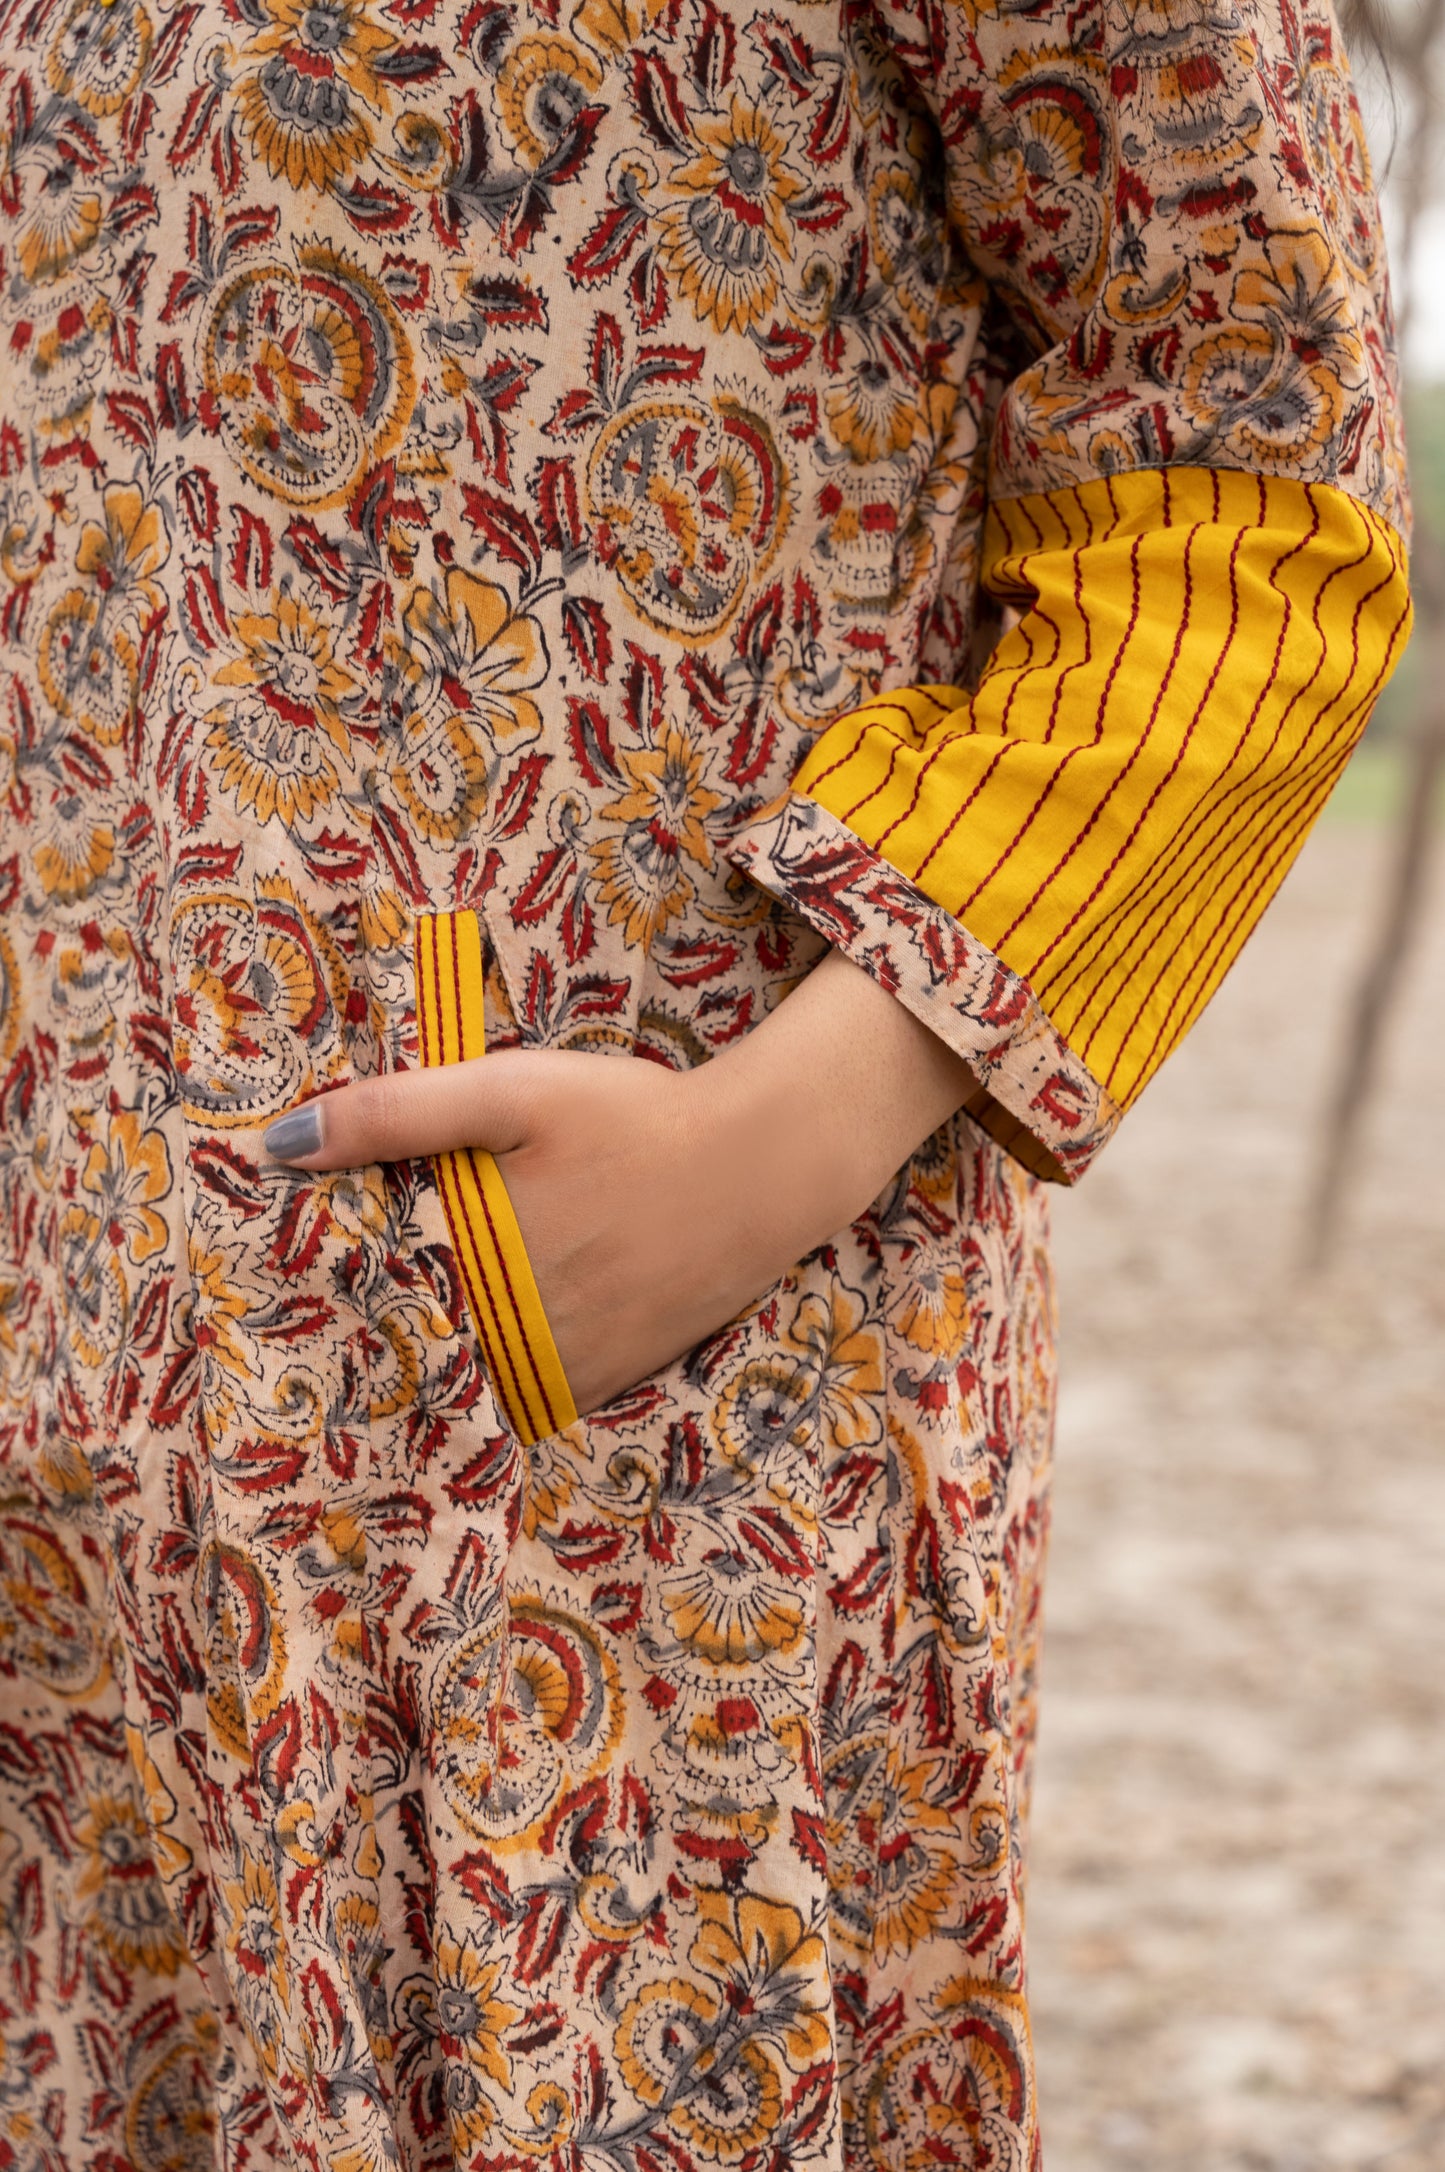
[(643, 490)]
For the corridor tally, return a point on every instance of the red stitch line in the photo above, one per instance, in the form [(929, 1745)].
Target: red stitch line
[(1276, 788), (1135, 752), (1167, 778), (507, 1279), (1190, 826), (492, 1307), (513, 1400), (872, 719), (1229, 938), (422, 1014), (1015, 690), (1057, 774), (458, 1009), (1210, 828), (1006, 745), (457, 1220), (1206, 958), (944, 740)]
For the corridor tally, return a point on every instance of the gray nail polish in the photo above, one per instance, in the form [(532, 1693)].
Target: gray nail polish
[(293, 1135)]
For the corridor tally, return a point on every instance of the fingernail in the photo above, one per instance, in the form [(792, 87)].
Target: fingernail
[(294, 1135)]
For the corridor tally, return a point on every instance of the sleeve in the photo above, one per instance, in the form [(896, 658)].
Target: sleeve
[(1197, 519)]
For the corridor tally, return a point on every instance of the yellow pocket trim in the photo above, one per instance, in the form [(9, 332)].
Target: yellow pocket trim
[(496, 1273)]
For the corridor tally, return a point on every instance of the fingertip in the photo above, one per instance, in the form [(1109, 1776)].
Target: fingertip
[(297, 1135)]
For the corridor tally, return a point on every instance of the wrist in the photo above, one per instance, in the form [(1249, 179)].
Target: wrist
[(785, 1160)]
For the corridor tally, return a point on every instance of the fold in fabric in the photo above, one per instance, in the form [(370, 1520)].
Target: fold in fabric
[(1108, 814), (501, 1289)]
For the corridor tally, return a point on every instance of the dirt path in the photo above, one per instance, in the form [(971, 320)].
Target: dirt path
[(1238, 1887)]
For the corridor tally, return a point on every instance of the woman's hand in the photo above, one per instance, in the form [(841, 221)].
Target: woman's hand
[(656, 1205)]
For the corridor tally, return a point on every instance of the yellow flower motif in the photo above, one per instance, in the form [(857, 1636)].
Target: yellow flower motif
[(255, 1937), (127, 1175), (764, 1422), (464, 665), (89, 672), (549, 2107), (733, 2117), (681, 2044), (96, 1296), (933, 1169), (934, 1312), (905, 243), (542, 86), (847, 1355), (1111, 453), (60, 1465), (78, 852), (126, 1907), (873, 412), (469, 2021), (917, 1873), (89, 655), (99, 52), (272, 750), (170, 2119), (725, 237), (613, 25), (384, 922), (553, 1476), (767, 1403), (49, 1628), (245, 1646), (1227, 370), (495, 655), (664, 2037), (359, 1933), (643, 883), (63, 222), (297, 1831), (171, 1856), (219, 1305), (128, 546), (774, 1968), (290, 664), (312, 68), (1272, 383), (731, 1610)]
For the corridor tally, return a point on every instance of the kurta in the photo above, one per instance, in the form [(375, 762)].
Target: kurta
[(524, 524)]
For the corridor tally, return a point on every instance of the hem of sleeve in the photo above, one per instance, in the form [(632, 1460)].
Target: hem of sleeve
[(1035, 1097)]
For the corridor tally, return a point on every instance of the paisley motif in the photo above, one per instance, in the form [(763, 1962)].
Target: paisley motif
[(505, 1757), (310, 371), (690, 505)]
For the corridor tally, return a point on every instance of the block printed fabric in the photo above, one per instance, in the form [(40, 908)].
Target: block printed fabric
[(581, 484)]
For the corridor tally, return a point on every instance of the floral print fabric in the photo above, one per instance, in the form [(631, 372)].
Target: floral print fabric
[(455, 456)]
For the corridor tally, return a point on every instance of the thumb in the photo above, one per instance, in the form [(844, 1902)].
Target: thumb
[(482, 1103)]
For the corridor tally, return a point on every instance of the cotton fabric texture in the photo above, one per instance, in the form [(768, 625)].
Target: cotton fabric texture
[(524, 525)]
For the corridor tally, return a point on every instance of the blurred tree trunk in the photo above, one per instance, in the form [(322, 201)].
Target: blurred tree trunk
[(1412, 49)]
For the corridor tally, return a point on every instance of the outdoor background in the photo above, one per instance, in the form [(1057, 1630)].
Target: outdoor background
[(1237, 1894)]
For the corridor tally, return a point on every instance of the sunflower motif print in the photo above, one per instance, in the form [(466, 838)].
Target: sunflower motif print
[(523, 524)]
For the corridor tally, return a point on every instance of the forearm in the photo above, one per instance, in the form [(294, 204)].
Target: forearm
[(826, 1099)]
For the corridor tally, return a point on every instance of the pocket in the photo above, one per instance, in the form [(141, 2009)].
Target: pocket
[(502, 1294)]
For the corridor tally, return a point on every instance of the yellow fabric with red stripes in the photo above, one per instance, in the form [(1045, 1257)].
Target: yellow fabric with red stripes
[(1113, 808), (501, 1288)]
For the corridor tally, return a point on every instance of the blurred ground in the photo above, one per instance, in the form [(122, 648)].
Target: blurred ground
[(1237, 1900)]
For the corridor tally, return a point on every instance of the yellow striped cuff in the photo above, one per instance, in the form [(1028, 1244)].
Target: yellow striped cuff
[(496, 1273)]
